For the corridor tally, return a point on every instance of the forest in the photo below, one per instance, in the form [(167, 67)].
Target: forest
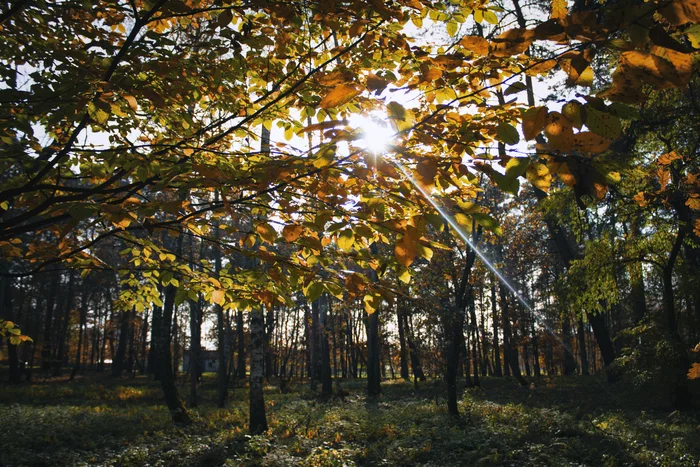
[(349, 232)]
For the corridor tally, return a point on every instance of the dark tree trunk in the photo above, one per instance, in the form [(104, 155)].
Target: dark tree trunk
[(494, 314), (195, 354), (46, 342), (258, 419), (569, 360), (582, 347), (63, 322), (81, 328), (373, 357), (403, 349), (7, 313), (455, 343), (511, 351), (314, 369), (681, 396), (164, 361), (474, 335), (325, 360), (118, 362), (240, 333), (269, 350)]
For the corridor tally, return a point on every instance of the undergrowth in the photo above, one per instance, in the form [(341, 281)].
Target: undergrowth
[(560, 421)]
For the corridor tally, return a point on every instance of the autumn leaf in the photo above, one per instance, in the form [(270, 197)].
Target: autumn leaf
[(346, 240), (132, 102), (511, 42), (476, 44), (427, 170), (401, 117), (559, 131), (266, 232), (694, 372), (341, 94), (682, 11), (292, 232), (217, 296), (587, 141), (538, 174), (559, 9), (603, 123), (533, 121)]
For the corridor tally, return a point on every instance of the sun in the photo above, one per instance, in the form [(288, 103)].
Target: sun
[(376, 133)]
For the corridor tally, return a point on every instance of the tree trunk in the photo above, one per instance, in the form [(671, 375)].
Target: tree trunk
[(681, 397), (314, 369), (325, 360), (240, 333), (403, 350), (195, 354), (494, 314), (569, 360), (373, 360), (118, 362), (582, 347), (511, 352), (48, 323), (258, 420)]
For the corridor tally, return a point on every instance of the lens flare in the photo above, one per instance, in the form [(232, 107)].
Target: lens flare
[(465, 237), (375, 133)]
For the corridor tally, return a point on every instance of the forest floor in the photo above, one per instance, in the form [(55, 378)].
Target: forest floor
[(557, 421)]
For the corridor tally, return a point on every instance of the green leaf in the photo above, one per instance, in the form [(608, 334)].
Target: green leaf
[(603, 123), (313, 291), (487, 222), (516, 166), (507, 133), (490, 17)]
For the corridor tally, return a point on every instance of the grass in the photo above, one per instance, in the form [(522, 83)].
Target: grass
[(560, 421)]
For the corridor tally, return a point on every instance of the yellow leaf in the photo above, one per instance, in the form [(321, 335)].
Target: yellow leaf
[(538, 174), (341, 94), (346, 239), (559, 9), (693, 203)]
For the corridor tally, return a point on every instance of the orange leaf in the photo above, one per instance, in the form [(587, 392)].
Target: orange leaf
[(694, 372), (341, 94), (533, 121), (587, 141), (427, 170), (217, 297), (682, 11), (559, 131), (512, 42), (292, 232), (476, 44)]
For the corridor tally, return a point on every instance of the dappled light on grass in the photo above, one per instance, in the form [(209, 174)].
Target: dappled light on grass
[(561, 421)]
